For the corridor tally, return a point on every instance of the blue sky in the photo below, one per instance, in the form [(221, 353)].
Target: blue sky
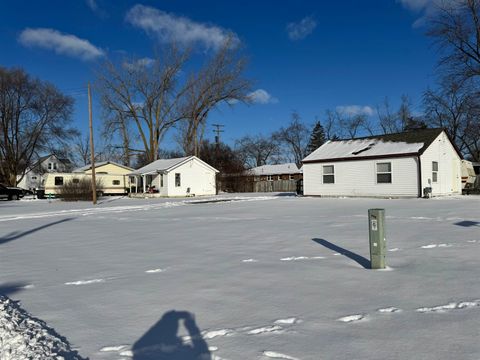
[(307, 56)]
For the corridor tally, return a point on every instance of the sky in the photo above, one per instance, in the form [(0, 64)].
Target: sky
[(304, 56)]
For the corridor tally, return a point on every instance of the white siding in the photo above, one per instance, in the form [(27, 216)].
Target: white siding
[(449, 167), (359, 178), (194, 175)]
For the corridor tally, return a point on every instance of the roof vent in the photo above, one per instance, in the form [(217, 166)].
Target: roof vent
[(364, 149)]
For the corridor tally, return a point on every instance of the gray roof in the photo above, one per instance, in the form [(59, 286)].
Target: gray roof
[(164, 165), (399, 144), (290, 168), (98, 164)]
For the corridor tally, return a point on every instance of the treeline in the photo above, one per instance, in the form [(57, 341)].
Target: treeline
[(144, 99)]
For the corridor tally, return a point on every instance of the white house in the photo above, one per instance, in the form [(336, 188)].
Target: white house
[(399, 165), (35, 175), (187, 176)]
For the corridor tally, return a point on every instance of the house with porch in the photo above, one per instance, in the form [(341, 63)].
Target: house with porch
[(186, 176), (407, 164)]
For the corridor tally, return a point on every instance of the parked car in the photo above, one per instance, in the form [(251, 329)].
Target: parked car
[(10, 193)]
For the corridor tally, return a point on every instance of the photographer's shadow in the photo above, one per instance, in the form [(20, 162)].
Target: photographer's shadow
[(162, 342)]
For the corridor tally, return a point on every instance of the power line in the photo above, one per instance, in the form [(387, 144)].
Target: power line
[(217, 131)]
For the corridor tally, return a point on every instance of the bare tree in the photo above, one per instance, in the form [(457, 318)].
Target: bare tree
[(455, 27), (457, 109), (295, 136), (391, 121), (81, 149), (34, 117), (144, 94), (219, 81), (257, 150)]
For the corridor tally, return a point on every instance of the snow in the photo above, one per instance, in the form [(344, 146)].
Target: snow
[(108, 278), (362, 147), (23, 337)]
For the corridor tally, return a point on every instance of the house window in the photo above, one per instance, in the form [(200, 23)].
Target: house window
[(54, 166), (384, 173), (161, 180), (434, 171), (328, 174), (50, 166), (269, 178), (177, 180), (58, 180), (290, 177), (75, 181), (34, 178), (116, 182)]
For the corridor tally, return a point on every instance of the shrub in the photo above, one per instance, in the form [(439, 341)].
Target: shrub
[(79, 189)]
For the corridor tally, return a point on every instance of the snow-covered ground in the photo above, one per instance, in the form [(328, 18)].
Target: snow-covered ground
[(256, 277)]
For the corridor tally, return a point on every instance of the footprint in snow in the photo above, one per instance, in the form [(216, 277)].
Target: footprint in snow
[(352, 318), (288, 321), (296, 258), (85, 282), (277, 355), (249, 260), (113, 348), (154, 271), (432, 246), (389, 310), (449, 307), (266, 329)]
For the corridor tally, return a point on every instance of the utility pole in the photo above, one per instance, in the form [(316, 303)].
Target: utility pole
[(92, 151), (217, 131)]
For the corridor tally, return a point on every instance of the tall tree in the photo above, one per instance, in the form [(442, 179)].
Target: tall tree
[(34, 117), (455, 28), (257, 150), (294, 137), (317, 138), (220, 80), (457, 109), (144, 96)]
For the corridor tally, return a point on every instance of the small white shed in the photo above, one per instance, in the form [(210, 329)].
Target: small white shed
[(187, 176), (394, 165)]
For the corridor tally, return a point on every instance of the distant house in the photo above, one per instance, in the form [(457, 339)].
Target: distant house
[(105, 167), (35, 175), (186, 176), (407, 164), (268, 178), (112, 177)]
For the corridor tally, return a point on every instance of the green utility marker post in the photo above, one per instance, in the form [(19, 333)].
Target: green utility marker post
[(378, 243)]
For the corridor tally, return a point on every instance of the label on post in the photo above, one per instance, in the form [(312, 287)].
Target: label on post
[(374, 224)]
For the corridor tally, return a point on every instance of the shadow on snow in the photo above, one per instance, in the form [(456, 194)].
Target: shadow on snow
[(364, 262), (17, 234), (162, 342)]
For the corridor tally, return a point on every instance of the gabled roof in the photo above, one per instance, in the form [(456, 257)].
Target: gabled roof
[(165, 165), (98, 164), (409, 143), (290, 168)]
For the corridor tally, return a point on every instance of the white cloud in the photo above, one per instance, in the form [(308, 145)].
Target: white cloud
[(353, 110), (93, 5), (64, 44), (261, 96), (171, 28), (301, 29), (143, 62)]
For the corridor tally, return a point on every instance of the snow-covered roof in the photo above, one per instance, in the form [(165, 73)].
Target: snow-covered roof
[(408, 143), (290, 168), (164, 165), (97, 165)]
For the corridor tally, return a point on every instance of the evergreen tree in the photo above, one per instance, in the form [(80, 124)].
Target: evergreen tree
[(316, 139)]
